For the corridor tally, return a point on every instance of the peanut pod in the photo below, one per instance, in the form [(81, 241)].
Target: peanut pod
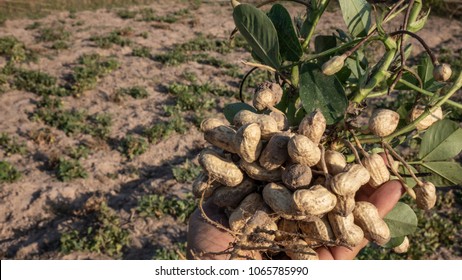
[(297, 176), (304, 151), (425, 196), (248, 206), (317, 232), (367, 218), (247, 142), (231, 196), (315, 201), (222, 170), (298, 249), (268, 125), (275, 152), (255, 171), (218, 134), (313, 126), (279, 198), (349, 181), (345, 230), (260, 231), (377, 169), (202, 184)]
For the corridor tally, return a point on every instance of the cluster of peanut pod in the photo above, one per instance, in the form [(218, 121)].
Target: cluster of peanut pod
[(283, 191)]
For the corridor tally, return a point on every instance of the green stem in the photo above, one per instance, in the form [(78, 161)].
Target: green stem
[(415, 11), (376, 79), (428, 93), (414, 162), (455, 87), (295, 75), (314, 22)]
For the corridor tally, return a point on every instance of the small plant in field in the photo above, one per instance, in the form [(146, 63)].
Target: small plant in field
[(195, 50), (68, 170), (116, 37), (103, 234), (312, 139), (142, 51), (8, 173), (89, 68), (14, 50), (132, 146), (99, 125), (33, 25), (126, 14), (11, 145), (43, 136), (176, 253), (137, 92), (78, 152), (186, 172), (159, 205), (38, 82), (56, 35)]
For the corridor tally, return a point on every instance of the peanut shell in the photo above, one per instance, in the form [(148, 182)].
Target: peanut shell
[(247, 142), (304, 151), (383, 122), (315, 201), (367, 218)]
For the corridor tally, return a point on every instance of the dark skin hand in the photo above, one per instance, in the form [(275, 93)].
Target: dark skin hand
[(204, 237)]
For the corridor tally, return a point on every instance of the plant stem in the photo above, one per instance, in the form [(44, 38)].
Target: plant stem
[(314, 22), (421, 41), (406, 165), (378, 77), (428, 93)]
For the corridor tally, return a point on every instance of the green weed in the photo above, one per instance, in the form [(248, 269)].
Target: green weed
[(11, 146), (126, 14), (195, 50), (14, 50), (162, 130), (68, 170), (178, 252), (149, 14), (104, 235), (116, 37), (50, 111), (160, 205), (132, 146), (8, 173), (186, 172), (38, 82), (137, 92), (78, 152), (89, 68), (142, 51), (53, 33), (34, 25)]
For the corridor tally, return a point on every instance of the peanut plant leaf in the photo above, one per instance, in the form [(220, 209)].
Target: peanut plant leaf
[(290, 47), (445, 173), (323, 43), (259, 32), (401, 220), (357, 16), (395, 241), (442, 141), (318, 91), (232, 109)]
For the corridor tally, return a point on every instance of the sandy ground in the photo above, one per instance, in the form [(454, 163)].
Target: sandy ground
[(32, 217)]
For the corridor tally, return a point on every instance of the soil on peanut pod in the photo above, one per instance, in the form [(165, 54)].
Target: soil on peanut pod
[(99, 115)]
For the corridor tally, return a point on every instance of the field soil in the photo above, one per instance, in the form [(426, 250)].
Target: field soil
[(38, 209)]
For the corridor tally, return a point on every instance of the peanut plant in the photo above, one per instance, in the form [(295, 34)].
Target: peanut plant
[(289, 165)]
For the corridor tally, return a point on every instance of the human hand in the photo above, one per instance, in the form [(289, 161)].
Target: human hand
[(204, 237)]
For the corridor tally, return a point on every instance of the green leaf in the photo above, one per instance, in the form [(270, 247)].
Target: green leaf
[(232, 109), (442, 141), (425, 71), (290, 47), (318, 91), (445, 173), (357, 16), (401, 220), (259, 32), (323, 43), (395, 241)]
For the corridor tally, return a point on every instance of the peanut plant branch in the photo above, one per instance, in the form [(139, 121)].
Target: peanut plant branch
[(408, 128), (317, 15), (406, 165), (421, 41)]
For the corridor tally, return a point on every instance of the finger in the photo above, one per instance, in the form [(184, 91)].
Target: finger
[(386, 196), (364, 193)]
